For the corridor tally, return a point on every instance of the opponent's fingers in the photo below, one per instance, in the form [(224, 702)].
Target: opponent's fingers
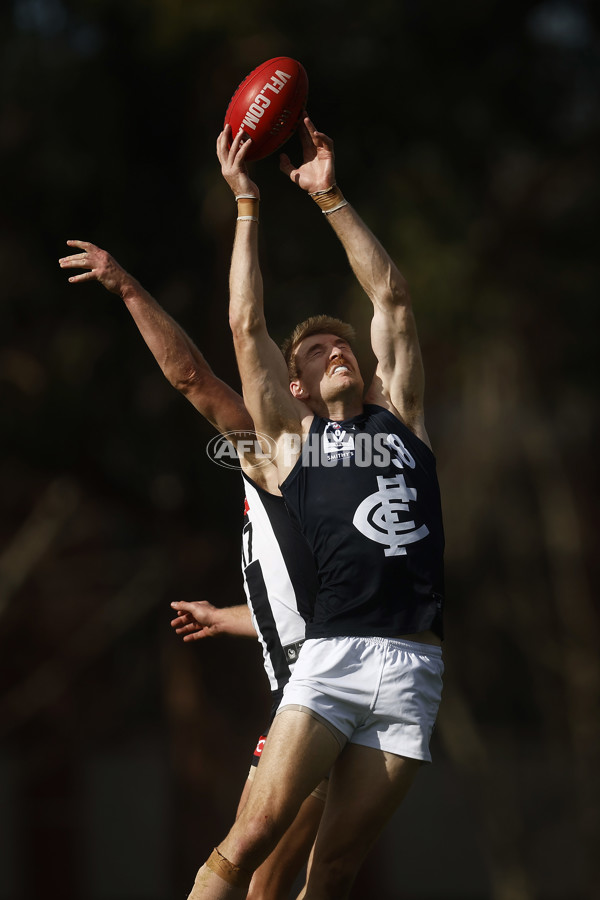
[(189, 618), (190, 628), (317, 137), (79, 259), (84, 276), (180, 605), (183, 619), (83, 245), (197, 635)]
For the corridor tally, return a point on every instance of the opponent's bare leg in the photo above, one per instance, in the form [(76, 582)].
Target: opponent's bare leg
[(298, 754), (365, 788), (273, 880)]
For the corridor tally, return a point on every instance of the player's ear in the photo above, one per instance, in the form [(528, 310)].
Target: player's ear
[(297, 390)]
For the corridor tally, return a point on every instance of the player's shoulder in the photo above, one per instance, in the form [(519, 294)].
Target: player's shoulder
[(407, 406), (412, 419)]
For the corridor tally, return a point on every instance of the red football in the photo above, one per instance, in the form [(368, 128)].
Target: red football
[(268, 104)]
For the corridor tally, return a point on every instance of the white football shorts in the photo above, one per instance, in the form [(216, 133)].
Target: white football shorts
[(378, 692)]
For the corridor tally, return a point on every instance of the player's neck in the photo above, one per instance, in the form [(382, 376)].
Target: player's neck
[(342, 409)]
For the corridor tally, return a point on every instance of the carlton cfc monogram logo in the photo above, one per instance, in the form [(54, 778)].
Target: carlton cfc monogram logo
[(379, 516)]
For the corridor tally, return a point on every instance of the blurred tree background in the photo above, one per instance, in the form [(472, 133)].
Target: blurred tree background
[(467, 136)]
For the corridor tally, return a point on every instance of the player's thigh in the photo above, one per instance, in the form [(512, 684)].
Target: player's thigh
[(298, 754), (365, 788)]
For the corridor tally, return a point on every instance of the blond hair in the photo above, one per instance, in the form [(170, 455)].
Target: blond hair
[(314, 325)]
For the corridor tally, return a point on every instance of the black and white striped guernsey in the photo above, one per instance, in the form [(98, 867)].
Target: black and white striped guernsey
[(279, 579)]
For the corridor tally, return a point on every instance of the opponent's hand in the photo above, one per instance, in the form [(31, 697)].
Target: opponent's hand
[(317, 172), (102, 267), (195, 620), (233, 162)]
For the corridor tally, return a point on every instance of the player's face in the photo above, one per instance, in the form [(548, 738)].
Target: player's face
[(326, 366)]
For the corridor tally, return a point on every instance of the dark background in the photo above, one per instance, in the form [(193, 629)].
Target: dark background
[(467, 137)]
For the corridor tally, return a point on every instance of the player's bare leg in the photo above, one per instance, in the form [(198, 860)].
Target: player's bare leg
[(365, 788), (273, 880), (298, 754)]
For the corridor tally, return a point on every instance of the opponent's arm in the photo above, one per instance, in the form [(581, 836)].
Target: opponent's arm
[(399, 378), (264, 375), (200, 619), (181, 361)]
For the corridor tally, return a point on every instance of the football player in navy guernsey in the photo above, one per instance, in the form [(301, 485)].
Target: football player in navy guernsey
[(278, 568), (358, 475)]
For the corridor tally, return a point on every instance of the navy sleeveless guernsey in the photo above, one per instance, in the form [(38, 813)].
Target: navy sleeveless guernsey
[(366, 496)]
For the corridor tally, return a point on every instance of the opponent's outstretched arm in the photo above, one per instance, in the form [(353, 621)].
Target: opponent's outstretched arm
[(265, 380), (180, 360), (399, 379), (200, 619)]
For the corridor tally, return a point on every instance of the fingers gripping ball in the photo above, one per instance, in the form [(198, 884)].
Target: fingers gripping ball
[(268, 105)]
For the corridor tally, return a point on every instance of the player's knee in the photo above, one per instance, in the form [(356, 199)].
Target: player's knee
[(255, 837)]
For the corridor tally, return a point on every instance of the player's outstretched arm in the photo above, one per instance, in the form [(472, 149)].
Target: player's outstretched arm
[(262, 368), (180, 360), (200, 619), (399, 379)]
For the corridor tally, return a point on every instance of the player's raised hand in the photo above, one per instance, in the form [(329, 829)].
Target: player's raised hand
[(317, 172), (232, 156), (100, 265)]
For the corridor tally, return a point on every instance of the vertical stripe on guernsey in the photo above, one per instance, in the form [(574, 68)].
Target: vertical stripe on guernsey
[(279, 579), (276, 663)]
